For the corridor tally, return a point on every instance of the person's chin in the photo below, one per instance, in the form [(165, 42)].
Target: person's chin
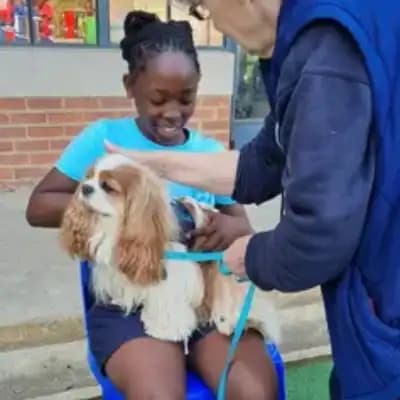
[(169, 135)]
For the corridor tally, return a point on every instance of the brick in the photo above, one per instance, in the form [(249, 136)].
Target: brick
[(45, 131), (221, 136), (212, 101), (28, 118), (58, 144), (223, 113), (8, 185), (4, 118), (9, 132), (94, 116), (12, 103), (215, 125), (64, 118), (43, 158), (116, 102), (32, 145), (6, 173), (121, 114), (30, 172), (73, 130), (194, 125), (44, 103), (82, 103), (14, 159), (6, 146), (205, 113)]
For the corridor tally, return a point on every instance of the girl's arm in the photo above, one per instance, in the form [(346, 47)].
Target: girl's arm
[(51, 196), (49, 200)]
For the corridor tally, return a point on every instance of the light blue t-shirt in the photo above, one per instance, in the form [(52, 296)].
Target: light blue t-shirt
[(88, 146)]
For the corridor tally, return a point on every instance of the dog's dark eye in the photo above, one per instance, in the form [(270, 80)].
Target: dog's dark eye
[(106, 187)]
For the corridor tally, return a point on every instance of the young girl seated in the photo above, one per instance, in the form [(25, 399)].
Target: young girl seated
[(163, 78)]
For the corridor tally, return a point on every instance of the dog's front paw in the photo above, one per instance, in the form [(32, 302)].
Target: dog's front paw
[(175, 328)]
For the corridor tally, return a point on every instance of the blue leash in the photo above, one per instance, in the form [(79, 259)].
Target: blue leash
[(240, 326)]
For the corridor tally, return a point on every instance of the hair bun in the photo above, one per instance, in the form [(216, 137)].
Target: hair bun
[(135, 21), (184, 26)]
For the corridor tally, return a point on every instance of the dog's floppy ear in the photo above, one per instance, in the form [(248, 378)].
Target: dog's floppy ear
[(145, 228), (76, 229)]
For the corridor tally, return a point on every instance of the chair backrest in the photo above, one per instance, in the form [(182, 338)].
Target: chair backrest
[(87, 298)]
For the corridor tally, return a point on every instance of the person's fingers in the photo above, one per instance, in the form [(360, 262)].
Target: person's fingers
[(213, 242), (198, 243), (112, 148), (203, 231), (208, 229)]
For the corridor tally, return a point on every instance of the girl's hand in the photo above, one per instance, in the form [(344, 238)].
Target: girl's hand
[(221, 231)]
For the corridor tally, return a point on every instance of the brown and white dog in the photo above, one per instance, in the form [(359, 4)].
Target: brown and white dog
[(120, 219)]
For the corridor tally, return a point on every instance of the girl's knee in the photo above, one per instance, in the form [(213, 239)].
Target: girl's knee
[(252, 387), (260, 392)]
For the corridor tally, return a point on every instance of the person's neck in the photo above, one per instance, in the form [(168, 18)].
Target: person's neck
[(271, 11)]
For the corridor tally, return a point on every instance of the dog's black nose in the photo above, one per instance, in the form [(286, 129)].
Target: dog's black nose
[(87, 190)]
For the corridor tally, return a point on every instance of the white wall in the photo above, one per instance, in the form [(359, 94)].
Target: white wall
[(69, 71)]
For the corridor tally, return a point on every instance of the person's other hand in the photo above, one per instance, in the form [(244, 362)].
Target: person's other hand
[(234, 256), (220, 232)]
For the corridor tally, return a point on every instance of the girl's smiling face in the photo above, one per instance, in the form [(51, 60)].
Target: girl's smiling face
[(165, 95)]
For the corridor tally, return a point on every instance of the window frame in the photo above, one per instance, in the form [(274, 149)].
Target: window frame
[(103, 32)]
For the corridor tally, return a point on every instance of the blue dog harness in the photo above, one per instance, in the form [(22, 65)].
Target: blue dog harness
[(240, 326)]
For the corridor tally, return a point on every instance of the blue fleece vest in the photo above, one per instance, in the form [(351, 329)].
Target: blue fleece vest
[(366, 346)]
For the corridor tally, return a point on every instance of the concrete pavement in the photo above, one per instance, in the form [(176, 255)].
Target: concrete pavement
[(40, 317)]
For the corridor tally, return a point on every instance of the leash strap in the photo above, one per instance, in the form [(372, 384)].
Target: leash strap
[(237, 334), (240, 326), (200, 256)]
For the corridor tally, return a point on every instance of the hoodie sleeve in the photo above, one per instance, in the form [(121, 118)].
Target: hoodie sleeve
[(261, 157), (327, 179)]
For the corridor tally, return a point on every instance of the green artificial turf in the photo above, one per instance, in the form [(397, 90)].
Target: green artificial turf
[(308, 380)]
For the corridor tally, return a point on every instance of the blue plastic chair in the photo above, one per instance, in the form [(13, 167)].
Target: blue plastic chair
[(196, 389)]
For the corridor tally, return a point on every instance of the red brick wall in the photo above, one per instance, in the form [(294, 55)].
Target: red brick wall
[(33, 131)]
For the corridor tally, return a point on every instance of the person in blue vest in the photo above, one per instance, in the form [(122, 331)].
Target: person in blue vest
[(331, 148)]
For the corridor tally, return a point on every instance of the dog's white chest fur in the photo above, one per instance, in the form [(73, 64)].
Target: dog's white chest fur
[(168, 308)]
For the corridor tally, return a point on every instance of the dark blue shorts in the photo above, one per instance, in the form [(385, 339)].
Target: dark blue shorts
[(109, 328)]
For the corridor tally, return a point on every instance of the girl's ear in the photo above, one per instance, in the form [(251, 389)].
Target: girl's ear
[(128, 82)]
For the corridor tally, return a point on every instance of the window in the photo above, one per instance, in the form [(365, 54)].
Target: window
[(48, 21), (203, 31), (64, 21), (119, 8), (251, 100), (87, 22), (14, 22)]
